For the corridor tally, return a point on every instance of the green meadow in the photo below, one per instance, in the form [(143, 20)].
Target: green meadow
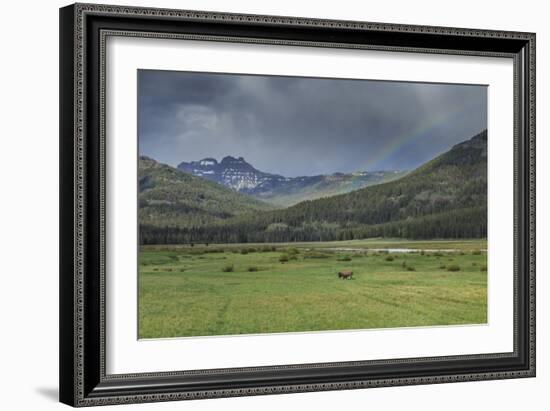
[(271, 288)]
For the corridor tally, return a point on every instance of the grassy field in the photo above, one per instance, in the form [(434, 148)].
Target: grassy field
[(251, 289)]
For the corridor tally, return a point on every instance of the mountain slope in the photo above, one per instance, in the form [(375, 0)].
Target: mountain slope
[(444, 198), (454, 180), (241, 176), (298, 189), (168, 197)]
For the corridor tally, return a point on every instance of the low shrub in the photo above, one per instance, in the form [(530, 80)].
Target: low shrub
[(343, 258), (483, 268), (283, 258), (410, 268), (228, 268), (244, 251), (252, 269), (453, 267), (442, 267), (389, 258), (476, 252)]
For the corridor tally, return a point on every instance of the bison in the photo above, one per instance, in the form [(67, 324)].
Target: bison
[(346, 275)]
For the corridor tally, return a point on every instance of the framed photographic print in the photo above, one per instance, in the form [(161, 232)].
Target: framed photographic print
[(261, 204)]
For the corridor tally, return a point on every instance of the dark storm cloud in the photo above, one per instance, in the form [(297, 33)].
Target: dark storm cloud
[(303, 126)]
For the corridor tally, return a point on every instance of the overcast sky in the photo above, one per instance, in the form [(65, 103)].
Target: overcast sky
[(303, 126)]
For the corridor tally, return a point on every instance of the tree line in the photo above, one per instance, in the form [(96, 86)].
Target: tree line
[(454, 224)]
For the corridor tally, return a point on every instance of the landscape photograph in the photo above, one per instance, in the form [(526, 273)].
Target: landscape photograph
[(281, 204)]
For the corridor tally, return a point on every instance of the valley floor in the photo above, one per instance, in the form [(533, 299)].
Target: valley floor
[(271, 288)]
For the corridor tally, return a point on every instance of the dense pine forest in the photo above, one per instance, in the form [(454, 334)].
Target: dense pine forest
[(444, 198)]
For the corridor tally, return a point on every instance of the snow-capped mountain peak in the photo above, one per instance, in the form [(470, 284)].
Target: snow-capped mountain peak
[(232, 172)]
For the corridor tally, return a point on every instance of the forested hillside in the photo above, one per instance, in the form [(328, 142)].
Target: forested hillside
[(170, 198)]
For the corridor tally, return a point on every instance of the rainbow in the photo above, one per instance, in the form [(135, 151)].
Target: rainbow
[(411, 137)]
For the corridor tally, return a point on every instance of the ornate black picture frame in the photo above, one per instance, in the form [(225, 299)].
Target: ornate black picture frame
[(83, 30)]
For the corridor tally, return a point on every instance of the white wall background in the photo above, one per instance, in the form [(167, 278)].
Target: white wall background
[(29, 204)]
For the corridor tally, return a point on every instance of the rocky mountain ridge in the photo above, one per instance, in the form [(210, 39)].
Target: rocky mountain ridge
[(239, 175)]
